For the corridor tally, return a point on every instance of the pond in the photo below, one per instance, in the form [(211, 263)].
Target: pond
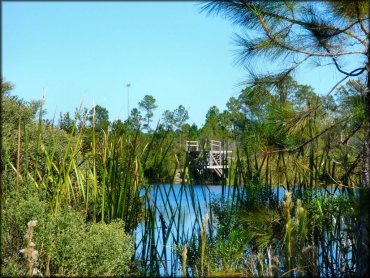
[(179, 211), (174, 214)]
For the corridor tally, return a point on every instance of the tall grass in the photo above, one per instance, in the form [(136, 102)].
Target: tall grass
[(109, 183), (106, 184)]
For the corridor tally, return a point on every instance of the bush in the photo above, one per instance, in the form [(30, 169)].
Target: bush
[(107, 250), (67, 245)]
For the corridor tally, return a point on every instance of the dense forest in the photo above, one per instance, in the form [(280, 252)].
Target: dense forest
[(75, 190)]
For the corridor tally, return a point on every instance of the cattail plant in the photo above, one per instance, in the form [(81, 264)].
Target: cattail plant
[(203, 240), (301, 231), (183, 260), (287, 206)]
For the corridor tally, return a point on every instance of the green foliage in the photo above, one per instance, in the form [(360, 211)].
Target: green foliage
[(66, 122), (228, 254), (290, 34), (191, 132), (260, 240), (67, 245), (99, 118), (213, 126), (176, 119), (16, 113), (135, 119), (159, 157), (89, 170), (147, 104), (108, 250), (119, 128)]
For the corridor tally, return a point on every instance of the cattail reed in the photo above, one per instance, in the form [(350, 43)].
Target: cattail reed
[(287, 206), (184, 260), (203, 240)]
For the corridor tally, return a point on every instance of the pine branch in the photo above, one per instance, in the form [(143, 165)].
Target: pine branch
[(311, 139), (363, 28), (293, 49)]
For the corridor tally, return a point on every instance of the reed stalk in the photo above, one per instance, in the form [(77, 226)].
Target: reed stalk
[(184, 260), (203, 242), (18, 155), (287, 206)]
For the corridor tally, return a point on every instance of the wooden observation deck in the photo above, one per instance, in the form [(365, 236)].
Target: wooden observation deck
[(208, 163)]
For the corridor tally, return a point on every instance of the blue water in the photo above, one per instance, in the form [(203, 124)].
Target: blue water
[(176, 208)]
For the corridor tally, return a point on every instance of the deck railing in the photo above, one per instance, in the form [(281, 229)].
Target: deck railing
[(216, 157), (192, 146)]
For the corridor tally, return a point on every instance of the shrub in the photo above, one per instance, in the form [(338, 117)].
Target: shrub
[(67, 245), (107, 250)]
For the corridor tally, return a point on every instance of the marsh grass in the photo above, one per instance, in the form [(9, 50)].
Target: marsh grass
[(109, 183)]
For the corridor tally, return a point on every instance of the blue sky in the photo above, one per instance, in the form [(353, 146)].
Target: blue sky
[(91, 50)]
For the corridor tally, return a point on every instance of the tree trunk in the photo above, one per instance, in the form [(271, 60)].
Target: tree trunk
[(362, 246), (362, 242), (366, 166)]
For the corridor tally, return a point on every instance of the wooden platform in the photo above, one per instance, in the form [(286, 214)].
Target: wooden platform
[(213, 159)]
